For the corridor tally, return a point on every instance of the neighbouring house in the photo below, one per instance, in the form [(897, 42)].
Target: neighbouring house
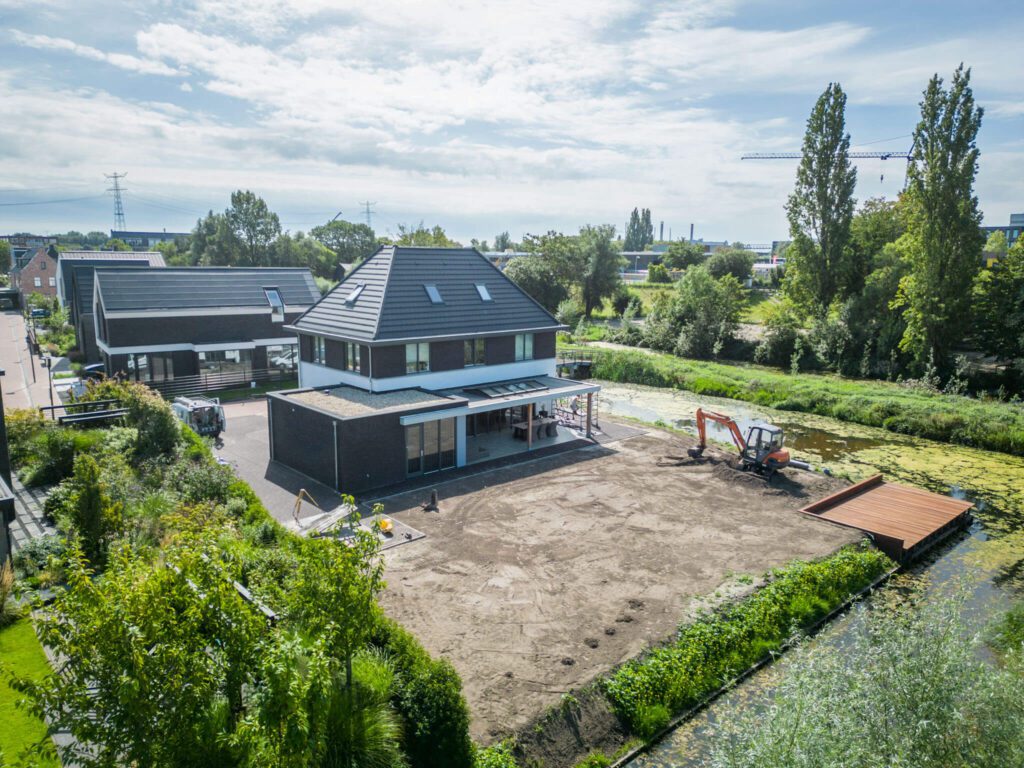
[(35, 271), (75, 275), (421, 360), (146, 239), (226, 323), (25, 242)]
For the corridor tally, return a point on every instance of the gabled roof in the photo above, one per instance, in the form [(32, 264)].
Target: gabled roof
[(153, 258), (82, 279), (394, 303), (73, 263), (182, 288)]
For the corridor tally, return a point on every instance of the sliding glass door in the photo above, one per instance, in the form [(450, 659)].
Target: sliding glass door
[(430, 447)]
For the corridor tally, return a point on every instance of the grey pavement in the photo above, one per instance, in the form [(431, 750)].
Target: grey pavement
[(25, 383)]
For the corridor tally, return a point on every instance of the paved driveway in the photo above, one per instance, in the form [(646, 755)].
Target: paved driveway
[(246, 446)]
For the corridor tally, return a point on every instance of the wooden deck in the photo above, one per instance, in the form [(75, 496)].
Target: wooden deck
[(904, 522)]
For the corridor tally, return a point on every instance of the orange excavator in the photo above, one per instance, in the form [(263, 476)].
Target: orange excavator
[(761, 451)]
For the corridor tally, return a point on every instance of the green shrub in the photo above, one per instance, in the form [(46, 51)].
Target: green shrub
[(35, 554), (595, 760), (498, 756), (716, 647), (436, 718), (658, 274), (429, 700), (198, 480)]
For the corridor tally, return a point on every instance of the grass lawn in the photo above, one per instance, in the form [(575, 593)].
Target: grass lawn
[(244, 393), (20, 653), (757, 306)]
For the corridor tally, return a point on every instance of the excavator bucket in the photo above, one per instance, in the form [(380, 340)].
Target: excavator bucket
[(696, 453)]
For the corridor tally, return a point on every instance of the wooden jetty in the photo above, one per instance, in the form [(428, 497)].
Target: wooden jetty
[(904, 522)]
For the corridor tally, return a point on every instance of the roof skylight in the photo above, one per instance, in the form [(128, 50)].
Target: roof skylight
[(433, 293), (351, 298), (485, 295)]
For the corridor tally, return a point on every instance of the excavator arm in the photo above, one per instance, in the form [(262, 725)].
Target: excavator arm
[(702, 429)]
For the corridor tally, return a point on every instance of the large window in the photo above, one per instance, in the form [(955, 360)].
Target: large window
[(319, 350), (430, 447), (417, 357), (524, 346), (475, 352), (154, 367), (38, 282), (226, 361), (53, 282), (282, 357), (352, 357)]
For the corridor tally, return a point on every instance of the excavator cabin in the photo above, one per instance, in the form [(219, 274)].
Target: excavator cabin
[(761, 450)]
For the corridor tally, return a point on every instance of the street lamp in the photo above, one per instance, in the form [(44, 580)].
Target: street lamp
[(48, 361)]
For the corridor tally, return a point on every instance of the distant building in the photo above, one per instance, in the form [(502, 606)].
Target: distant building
[(75, 276), (35, 271), (20, 244), (156, 325), (140, 240), (1011, 230)]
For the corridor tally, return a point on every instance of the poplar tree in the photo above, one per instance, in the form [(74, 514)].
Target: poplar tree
[(944, 239), (633, 238), (646, 229), (820, 209)]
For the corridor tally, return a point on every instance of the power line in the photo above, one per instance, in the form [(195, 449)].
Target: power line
[(118, 203), (55, 202)]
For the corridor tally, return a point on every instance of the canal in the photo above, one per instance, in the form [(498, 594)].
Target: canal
[(986, 564)]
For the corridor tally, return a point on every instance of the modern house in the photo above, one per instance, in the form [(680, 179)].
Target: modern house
[(35, 271), (157, 325), (146, 239), (421, 360), (75, 275)]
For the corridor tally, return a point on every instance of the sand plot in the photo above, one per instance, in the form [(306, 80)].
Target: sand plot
[(536, 578)]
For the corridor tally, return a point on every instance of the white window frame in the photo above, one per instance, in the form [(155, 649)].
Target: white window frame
[(37, 282), (479, 346), (353, 357), (276, 302), (524, 347), (53, 282), (319, 350), (417, 357)]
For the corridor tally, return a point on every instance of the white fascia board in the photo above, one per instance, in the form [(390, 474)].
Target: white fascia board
[(194, 312), (313, 375), (147, 348), (416, 339), (466, 377), (500, 403)]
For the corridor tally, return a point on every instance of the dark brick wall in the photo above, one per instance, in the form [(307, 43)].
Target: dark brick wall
[(302, 439), (447, 355), (371, 450), (543, 345), (211, 329), (87, 338), (501, 349), (335, 353), (388, 361)]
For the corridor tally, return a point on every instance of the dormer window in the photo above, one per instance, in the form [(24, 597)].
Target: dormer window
[(485, 295), (276, 304), (433, 293), (351, 298)]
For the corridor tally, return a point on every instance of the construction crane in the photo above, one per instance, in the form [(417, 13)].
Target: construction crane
[(851, 155)]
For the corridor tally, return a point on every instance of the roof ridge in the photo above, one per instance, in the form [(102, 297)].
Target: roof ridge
[(384, 293)]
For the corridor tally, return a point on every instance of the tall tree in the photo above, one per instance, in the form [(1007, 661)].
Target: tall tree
[(421, 236), (646, 229), (683, 254), (255, 226), (5, 257), (633, 240), (503, 242), (876, 224), (999, 305), (944, 240), (820, 209), (601, 265), (350, 242), (537, 276)]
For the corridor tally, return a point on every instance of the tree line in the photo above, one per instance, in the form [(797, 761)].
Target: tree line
[(897, 287)]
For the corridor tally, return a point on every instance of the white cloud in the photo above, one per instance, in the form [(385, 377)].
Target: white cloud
[(125, 61)]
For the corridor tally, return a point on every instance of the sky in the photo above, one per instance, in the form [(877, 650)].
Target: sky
[(519, 115)]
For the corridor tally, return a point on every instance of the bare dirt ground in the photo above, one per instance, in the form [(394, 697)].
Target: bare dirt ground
[(535, 579)]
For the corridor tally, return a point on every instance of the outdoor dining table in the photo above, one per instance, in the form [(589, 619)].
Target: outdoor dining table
[(540, 424)]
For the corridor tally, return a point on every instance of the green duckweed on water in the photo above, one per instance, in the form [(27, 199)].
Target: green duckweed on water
[(990, 560)]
